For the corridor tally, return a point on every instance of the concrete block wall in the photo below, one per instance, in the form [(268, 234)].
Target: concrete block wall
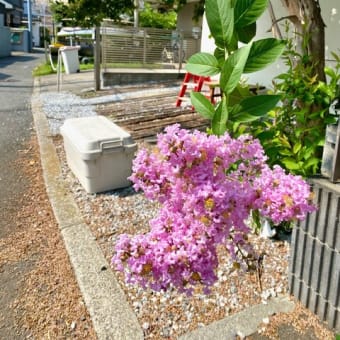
[(5, 41), (314, 268)]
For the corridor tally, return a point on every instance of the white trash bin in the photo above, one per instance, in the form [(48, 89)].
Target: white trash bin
[(98, 152), (70, 58)]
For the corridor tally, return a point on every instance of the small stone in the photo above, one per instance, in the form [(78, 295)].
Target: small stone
[(240, 335), (146, 326), (266, 321), (233, 290), (73, 325), (166, 332)]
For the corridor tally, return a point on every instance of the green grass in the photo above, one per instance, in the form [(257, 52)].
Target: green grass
[(134, 65), (42, 70), (46, 69)]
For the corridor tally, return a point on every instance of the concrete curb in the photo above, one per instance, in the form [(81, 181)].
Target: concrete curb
[(241, 324), (110, 313)]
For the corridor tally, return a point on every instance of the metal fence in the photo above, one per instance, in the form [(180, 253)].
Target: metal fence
[(147, 46), (314, 268)]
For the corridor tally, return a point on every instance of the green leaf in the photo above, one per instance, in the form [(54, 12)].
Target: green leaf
[(290, 163), (240, 92), (263, 52), (330, 72), (219, 55), (314, 161), (265, 135), (284, 141), (220, 19), (233, 69), (202, 105), (245, 34), (297, 147), (248, 11), (252, 108), (285, 152), (203, 64), (219, 122)]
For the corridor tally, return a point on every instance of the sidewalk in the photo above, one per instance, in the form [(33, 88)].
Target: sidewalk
[(111, 315)]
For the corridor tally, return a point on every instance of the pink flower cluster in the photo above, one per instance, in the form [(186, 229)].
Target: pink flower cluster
[(283, 197), (207, 186)]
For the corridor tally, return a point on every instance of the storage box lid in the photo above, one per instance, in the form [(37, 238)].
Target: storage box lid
[(93, 135)]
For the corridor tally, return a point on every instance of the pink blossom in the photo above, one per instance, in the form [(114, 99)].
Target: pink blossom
[(207, 186)]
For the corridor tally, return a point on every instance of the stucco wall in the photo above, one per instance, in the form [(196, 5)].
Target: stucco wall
[(184, 18), (20, 40), (5, 41), (330, 11)]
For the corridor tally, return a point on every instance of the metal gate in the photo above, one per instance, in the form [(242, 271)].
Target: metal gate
[(150, 47)]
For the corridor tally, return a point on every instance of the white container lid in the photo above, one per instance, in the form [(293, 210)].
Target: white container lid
[(95, 134), (70, 48)]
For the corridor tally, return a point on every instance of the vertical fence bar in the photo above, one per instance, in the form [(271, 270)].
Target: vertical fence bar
[(144, 46)]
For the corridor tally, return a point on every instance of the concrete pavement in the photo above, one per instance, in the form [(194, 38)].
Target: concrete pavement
[(111, 315)]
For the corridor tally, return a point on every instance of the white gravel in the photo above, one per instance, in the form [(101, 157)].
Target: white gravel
[(59, 106)]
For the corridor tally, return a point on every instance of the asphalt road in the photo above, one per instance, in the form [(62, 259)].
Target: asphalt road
[(16, 124), (16, 84)]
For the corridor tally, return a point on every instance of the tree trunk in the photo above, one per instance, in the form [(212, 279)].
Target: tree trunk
[(306, 17)]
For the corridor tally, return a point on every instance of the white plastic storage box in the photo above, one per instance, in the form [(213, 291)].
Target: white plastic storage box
[(98, 152)]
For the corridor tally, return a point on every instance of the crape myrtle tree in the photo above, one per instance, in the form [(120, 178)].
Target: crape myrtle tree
[(307, 19), (296, 129), (208, 184)]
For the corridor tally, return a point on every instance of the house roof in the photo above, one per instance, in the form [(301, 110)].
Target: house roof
[(7, 4)]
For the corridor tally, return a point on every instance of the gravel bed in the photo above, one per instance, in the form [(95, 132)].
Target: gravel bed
[(163, 314), (59, 106), (170, 314)]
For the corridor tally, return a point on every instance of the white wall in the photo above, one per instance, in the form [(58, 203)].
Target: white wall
[(184, 18), (330, 11), (36, 33)]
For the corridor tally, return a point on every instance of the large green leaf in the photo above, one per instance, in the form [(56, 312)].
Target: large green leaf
[(290, 163), (233, 69), (253, 108), (202, 105), (220, 55), (220, 18), (203, 64), (240, 92), (263, 52), (219, 122), (246, 33), (248, 11)]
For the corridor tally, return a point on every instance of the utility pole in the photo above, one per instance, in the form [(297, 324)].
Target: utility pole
[(29, 17)]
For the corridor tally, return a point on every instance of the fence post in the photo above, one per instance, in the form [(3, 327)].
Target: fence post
[(97, 59), (180, 52), (144, 46)]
